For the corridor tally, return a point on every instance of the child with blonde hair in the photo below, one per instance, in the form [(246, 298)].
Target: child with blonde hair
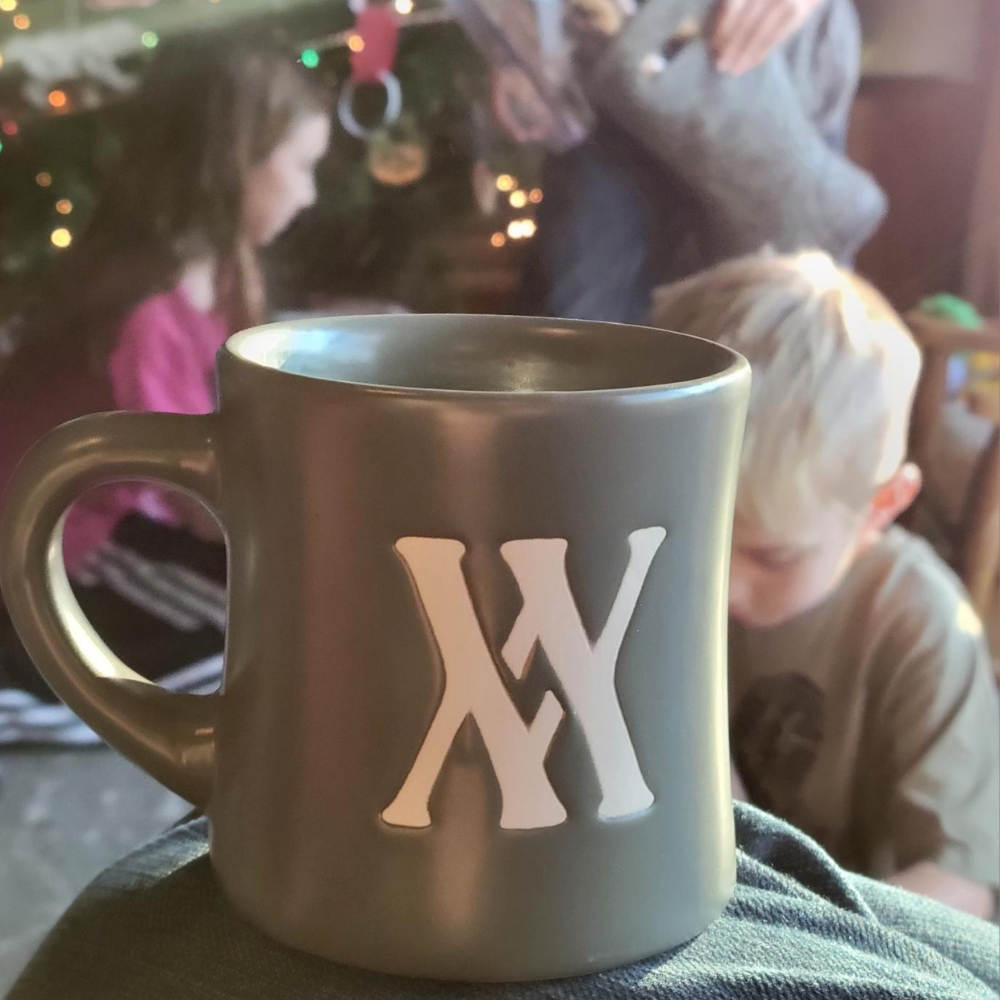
[(862, 702)]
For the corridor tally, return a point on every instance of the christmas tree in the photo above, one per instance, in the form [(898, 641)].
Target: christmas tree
[(401, 211)]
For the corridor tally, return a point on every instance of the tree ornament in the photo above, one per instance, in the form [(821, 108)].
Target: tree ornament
[(372, 44), (398, 154)]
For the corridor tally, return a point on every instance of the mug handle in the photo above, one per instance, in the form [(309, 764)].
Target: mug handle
[(171, 736)]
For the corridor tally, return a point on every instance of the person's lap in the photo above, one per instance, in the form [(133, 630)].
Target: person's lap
[(797, 927)]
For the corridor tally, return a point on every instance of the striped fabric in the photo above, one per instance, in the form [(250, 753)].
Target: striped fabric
[(157, 597), (174, 593)]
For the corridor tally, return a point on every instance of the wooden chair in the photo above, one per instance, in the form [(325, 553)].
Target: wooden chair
[(972, 526)]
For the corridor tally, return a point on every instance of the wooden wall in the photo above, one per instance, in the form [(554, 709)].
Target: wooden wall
[(922, 137)]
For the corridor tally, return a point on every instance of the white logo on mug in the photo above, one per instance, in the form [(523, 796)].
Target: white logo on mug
[(550, 618)]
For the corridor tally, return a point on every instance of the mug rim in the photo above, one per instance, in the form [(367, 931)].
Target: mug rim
[(736, 368)]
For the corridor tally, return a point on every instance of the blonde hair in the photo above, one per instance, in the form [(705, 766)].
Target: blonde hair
[(834, 372)]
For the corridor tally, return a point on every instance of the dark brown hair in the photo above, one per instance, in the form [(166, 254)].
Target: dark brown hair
[(209, 109)]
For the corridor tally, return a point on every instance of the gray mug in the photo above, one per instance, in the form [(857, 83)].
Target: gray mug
[(473, 724)]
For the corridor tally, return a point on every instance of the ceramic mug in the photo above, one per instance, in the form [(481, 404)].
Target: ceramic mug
[(473, 723)]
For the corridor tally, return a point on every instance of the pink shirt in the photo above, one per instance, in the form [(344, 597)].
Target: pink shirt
[(164, 361)]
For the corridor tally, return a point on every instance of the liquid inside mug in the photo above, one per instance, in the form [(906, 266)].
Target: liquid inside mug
[(473, 723)]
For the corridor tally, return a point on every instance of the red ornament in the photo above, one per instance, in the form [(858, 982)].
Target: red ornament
[(373, 55)]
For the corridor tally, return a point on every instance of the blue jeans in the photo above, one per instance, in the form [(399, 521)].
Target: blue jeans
[(613, 226), (610, 226)]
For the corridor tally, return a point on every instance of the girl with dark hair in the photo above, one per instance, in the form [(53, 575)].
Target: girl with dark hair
[(218, 160)]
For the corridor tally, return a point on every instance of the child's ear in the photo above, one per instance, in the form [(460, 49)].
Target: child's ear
[(895, 496)]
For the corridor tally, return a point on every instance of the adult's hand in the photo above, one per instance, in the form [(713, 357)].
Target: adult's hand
[(746, 32), (518, 106)]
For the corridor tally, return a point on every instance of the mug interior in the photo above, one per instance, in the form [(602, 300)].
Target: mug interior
[(503, 354)]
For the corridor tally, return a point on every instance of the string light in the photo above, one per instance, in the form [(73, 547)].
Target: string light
[(518, 199), (506, 183), (64, 206), (535, 196), (309, 58), (150, 39), (58, 98), (8, 5), (61, 237), (521, 229), (356, 43), (44, 179), (22, 22), (10, 128), (1, 147), (404, 7), (498, 240)]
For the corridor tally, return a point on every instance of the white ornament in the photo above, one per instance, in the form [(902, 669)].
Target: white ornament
[(91, 53), (549, 618)]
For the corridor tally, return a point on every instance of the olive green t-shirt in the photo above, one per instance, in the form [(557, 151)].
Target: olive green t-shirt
[(872, 722)]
